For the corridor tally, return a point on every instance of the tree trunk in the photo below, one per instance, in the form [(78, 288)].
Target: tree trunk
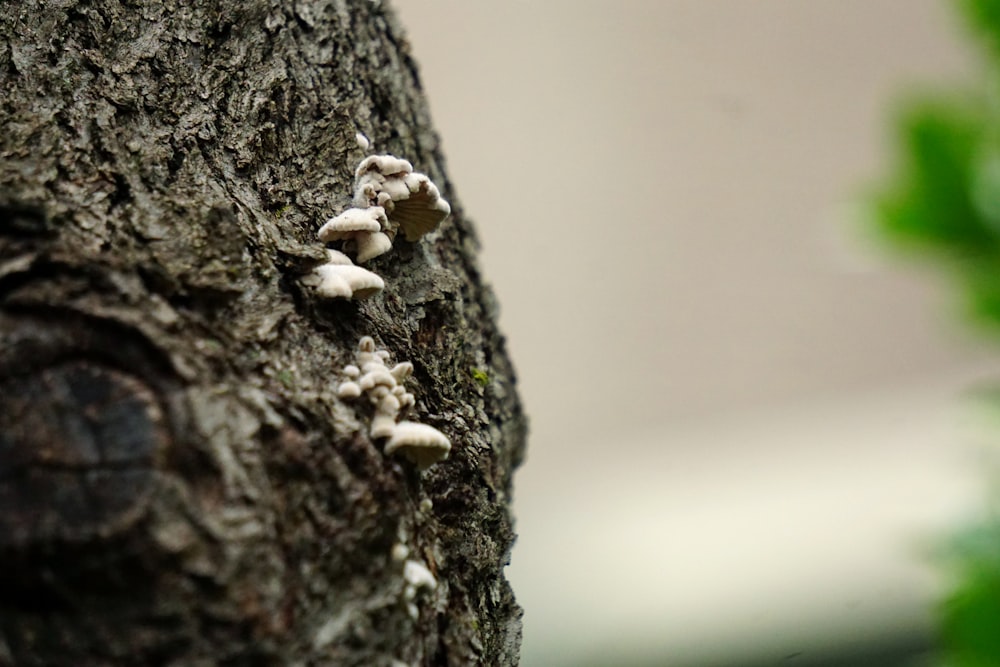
[(179, 482)]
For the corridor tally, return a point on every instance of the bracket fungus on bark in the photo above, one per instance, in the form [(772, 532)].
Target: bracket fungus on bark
[(340, 278), (411, 201), (388, 196), (360, 228), (422, 444)]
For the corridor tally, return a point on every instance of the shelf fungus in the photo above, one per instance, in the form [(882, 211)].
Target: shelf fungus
[(339, 278), (420, 443), (388, 197), (362, 229), (412, 203), (384, 387)]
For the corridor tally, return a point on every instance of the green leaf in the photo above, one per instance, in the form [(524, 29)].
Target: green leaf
[(930, 202), (985, 18)]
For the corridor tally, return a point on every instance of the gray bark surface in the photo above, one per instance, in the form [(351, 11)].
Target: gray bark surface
[(179, 483)]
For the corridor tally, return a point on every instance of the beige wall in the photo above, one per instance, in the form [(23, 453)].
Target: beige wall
[(664, 192)]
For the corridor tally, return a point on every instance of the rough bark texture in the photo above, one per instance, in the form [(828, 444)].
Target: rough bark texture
[(179, 484)]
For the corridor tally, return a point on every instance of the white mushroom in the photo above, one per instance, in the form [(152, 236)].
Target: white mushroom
[(399, 552), (384, 165), (333, 281), (383, 426), (372, 245), (417, 577), (362, 227), (350, 222), (410, 200), (401, 371), (375, 377), (375, 364), (337, 257), (365, 353), (422, 444), (389, 405), (339, 278), (328, 283), (369, 374), (348, 390)]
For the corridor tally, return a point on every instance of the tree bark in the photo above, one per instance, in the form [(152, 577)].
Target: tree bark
[(179, 482)]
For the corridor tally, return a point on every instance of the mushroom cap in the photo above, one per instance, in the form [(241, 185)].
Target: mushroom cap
[(348, 390), (375, 364), (386, 165), (383, 426), (377, 376), (371, 245), (346, 281), (353, 220), (366, 288), (401, 371), (389, 405), (418, 576), (337, 257), (422, 210), (329, 282), (422, 444)]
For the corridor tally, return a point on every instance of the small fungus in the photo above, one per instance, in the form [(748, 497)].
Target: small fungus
[(361, 229), (417, 577), (372, 245), (348, 389), (376, 377), (338, 280), (371, 375), (383, 426), (410, 200), (399, 552), (420, 443), (362, 141), (335, 257), (401, 371)]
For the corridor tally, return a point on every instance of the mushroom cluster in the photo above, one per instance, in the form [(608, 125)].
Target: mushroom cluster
[(388, 197), (412, 203), (370, 375)]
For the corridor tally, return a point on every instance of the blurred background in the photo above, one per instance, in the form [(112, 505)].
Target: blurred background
[(751, 424)]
